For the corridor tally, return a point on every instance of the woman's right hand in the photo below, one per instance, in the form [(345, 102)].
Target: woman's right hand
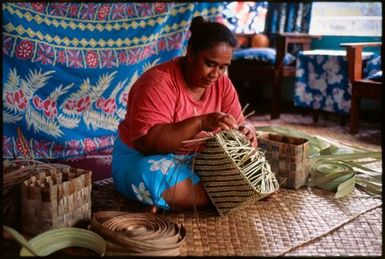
[(215, 120)]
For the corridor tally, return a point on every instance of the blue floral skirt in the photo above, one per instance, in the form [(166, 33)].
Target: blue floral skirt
[(145, 178)]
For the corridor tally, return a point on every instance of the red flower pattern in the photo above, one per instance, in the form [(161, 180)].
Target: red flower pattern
[(133, 55), (103, 11), (7, 45), (74, 9), (122, 57), (41, 148), (72, 147), (70, 105), (20, 99), (161, 44), (118, 11), (9, 98), (100, 102), (89, 145), (57, 150), (160, 7), (83, 104), (75, 58), (88, 11), (109, 105), (45, 54), (61, 57), (58, 9), (130, 11), (92, 59), (24, 49), (38, 102), (49, 107), (148, 51), (39, 7), (108, 58)]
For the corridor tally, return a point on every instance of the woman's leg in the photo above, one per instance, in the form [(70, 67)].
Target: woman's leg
[(149, 178)]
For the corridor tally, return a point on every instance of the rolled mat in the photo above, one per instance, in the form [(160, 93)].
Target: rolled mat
[(141, 234)]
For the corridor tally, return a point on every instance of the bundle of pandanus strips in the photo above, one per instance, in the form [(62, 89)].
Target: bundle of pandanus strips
[(233, 172)]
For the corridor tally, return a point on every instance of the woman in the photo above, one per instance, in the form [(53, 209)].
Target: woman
[(182, 99)]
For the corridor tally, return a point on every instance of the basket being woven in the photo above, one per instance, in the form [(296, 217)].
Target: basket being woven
[(288, 157), (233, 172), (55, 198)]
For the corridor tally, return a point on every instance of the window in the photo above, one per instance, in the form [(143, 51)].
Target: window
[(346, 18)]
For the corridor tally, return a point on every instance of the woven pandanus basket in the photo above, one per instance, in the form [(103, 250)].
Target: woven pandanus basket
[(288, 157), (55, 198), (14, 174), (233, 172)]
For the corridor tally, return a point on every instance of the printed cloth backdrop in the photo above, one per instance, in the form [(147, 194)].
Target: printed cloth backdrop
[(245, 17), (68, 68)]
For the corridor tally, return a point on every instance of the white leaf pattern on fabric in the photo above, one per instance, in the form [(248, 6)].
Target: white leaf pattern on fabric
[(343, 104), (299, 72), (304, 96), (332, 69), (142, 193), (320, 59), (329, 103), (317, 101), (164, 165)]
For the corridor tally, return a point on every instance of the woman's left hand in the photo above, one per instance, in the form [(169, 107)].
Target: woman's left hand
[(250, 134)]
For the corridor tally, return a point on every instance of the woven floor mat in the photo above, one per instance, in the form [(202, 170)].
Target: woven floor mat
[(306, 222), (368, 137)]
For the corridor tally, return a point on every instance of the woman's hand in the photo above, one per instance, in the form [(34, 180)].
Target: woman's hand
[(250, 134), (215, 120)]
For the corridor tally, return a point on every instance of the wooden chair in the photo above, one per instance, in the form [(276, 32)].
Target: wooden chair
[(361, 87), (273, 74)]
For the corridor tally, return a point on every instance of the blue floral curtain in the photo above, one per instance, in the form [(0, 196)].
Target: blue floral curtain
[(245, 17), (288, 17), (68, 67)]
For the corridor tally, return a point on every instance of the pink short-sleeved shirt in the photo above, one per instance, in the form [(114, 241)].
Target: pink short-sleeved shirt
[(160, 96)]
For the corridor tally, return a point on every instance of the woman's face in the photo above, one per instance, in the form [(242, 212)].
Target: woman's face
[(205, 67)]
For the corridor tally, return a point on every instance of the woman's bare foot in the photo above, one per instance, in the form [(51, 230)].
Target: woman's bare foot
[(185, 195), (153, 209)]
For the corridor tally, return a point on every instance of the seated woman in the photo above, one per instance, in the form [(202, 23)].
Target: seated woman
[(185, 98)]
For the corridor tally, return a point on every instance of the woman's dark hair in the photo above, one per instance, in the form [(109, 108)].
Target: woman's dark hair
[(206, 34)]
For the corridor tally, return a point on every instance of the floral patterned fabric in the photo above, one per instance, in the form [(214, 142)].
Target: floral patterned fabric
[(145, 178), (68, 67), (322, 81), (245, 17)]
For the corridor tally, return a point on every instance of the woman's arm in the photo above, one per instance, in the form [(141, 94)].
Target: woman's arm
[(167, 138)]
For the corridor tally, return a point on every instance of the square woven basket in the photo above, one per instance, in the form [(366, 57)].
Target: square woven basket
[(55, 198), (225, 184), (288, 157)]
